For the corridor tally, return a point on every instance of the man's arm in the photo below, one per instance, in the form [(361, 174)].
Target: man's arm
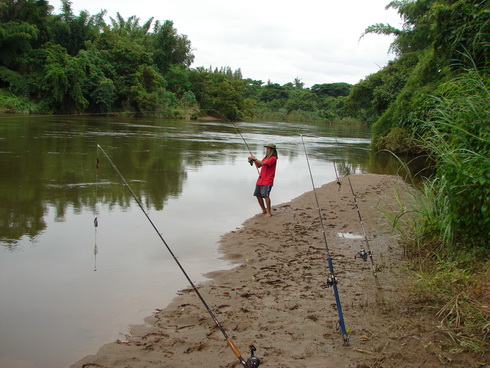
[(257, 162)]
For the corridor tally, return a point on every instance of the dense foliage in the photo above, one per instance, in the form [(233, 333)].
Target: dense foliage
[(447, 222), (440, 105), (434, 98), (440, 40), (67, 63)]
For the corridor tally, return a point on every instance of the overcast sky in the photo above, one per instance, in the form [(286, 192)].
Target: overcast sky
[(316, 41)]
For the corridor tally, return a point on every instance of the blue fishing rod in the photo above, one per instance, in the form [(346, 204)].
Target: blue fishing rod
[(253, 361), (331, 279)]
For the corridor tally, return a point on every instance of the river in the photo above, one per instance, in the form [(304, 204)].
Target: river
[(67, 286)]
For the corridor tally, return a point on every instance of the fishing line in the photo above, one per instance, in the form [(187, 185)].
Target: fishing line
[(249, 150), (251, 362), (243, 138), (244, 141), (331, 279), (96, 220), (363, 253)]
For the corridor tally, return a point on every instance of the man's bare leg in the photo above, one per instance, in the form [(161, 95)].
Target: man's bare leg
[(268, 203), (262, 205)]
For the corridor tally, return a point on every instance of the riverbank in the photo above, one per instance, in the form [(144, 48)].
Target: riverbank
[(274, 298)]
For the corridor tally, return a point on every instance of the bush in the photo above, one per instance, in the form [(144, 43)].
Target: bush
[(458, 139), (398, 140), (14, 104)]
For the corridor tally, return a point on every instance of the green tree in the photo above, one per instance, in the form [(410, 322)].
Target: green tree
[(435, 36), (219, 95), (252, 88), (274, 95), (170, 48), (72, 32), (33, 12), (16, 38), (63, 79), (331, 89), (301, 99), (177, 79)]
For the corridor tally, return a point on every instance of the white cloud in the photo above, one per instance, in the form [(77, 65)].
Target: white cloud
[(314, 40)]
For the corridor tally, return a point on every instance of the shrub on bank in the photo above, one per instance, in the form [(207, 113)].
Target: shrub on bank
[(13, 104)]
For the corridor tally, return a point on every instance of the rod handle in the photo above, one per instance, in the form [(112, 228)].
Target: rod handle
[(233, 347)]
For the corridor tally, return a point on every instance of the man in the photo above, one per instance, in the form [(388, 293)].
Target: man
[(265, 181)]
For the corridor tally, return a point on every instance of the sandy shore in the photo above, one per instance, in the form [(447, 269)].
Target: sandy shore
[(274, 298)]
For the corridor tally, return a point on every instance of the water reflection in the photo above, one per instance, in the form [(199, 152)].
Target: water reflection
[(51, 161)]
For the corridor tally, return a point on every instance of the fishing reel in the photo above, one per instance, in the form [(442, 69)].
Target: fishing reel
[(363, 254), (253, 361), (331, 281), (251, 162)]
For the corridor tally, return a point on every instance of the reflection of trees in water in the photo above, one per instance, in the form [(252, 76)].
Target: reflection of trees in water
[(56, 168), (50, 163)]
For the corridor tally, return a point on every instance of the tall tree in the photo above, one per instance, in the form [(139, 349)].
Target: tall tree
[(170, 48)]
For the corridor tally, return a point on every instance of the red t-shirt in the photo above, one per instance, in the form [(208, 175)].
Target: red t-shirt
[(267, 171)]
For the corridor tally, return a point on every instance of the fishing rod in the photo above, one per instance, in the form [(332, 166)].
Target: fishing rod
[(331, 279), (96, 250), (253, 361), (335, 168), (246, 144), (337, 176), (244, 141), (363, 253), (96, 220), (243, 138)]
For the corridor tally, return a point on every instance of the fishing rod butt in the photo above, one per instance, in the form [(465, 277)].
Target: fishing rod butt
[(235, 350), (346, 340), (252, 362)]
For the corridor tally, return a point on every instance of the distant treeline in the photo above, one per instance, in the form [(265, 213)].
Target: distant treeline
[(67, 63)]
